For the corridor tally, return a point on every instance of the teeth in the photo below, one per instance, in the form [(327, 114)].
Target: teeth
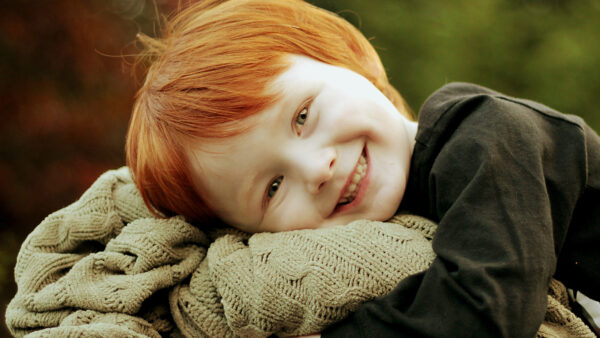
[(359, 174)]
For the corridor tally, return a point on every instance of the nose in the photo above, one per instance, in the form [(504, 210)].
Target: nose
[(317, 169)]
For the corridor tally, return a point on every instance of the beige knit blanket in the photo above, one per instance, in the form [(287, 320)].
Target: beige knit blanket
[(105, 267)]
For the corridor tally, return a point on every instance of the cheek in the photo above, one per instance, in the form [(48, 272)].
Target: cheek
[(294, 213), (376, 120), (354, 119), (386, 201), (389, 179)]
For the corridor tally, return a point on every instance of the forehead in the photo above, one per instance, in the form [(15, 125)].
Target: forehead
[(304, 69)]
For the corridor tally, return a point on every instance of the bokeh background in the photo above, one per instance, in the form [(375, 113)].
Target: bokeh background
[(67, 81)]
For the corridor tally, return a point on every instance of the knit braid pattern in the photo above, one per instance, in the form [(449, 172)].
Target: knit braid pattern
[(560, 321), (87, 269), (297, 282), (106, 267)]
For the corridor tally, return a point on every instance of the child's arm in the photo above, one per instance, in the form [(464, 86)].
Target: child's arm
[(503, 177), (298, 282)]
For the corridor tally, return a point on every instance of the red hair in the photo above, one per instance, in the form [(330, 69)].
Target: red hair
[(213, 65)]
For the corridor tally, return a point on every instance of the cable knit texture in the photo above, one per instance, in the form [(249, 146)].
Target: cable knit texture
[(105, 267)]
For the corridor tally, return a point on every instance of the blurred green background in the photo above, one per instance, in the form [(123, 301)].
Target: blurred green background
[(66, 83)]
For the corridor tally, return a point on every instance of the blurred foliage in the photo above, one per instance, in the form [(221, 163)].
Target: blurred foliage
[(544, 50), (66, 89), (66, 79)]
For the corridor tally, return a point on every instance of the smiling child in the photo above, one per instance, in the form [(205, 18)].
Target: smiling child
[(275, 115), (331, 150)]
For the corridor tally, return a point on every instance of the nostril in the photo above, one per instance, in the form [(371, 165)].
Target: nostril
[(331, 164), (321, 186)]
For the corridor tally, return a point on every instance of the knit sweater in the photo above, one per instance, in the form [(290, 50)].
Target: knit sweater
[(105, 266)]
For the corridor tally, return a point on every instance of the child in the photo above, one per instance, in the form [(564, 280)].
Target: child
[(275, 115)]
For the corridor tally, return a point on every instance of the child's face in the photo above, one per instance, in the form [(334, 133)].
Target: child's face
[(295, 167)]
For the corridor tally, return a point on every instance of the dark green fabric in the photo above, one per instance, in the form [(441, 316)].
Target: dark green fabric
[(514, 186)]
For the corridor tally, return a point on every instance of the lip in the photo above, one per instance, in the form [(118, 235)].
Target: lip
[(361, 189)]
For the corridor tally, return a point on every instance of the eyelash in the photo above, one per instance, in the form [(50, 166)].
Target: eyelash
[(298, 125)]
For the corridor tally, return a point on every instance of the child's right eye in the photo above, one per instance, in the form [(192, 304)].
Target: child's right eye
[(273, 187)]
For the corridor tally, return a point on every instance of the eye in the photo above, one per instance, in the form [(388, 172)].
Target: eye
[(273, 187), (300, 119), (302, 116)]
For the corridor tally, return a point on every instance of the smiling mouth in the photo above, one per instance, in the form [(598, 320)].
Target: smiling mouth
[(352, 188)]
